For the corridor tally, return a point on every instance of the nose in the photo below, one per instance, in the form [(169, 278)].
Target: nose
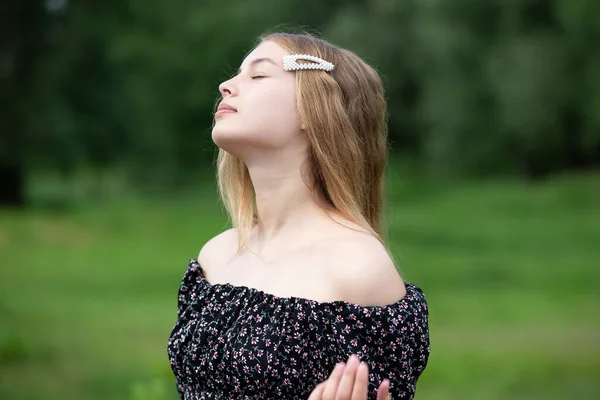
[(227, 88)]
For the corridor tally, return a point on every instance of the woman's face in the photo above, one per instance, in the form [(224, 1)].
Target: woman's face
[(258, 110)]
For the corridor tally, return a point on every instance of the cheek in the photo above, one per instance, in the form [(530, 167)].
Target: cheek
[(280, 110), (266, 118)]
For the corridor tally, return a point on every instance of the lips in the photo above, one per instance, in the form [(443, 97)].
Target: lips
[(225, 109)]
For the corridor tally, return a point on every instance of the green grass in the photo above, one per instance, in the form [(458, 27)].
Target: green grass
[(511, 272)]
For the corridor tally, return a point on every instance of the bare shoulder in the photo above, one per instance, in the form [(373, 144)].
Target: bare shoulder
[(364, 272), (216, 249)]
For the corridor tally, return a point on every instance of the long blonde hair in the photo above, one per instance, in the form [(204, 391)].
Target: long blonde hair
[(345, 117)]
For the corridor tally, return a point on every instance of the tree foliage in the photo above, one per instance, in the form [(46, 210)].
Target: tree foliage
[(474, 87)]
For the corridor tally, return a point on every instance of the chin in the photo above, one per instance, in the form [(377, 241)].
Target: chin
[(231, 141), (250, 140)]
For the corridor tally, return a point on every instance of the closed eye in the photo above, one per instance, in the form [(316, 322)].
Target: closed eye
[(258, 77)]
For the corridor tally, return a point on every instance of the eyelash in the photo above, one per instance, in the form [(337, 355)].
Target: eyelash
[(258, 77)]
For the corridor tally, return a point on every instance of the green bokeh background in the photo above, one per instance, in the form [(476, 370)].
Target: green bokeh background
[(107, 184)]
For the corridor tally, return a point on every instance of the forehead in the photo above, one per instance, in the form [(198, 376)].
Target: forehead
[(267, 49)]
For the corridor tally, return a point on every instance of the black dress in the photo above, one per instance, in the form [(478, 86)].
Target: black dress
[(235, 342)]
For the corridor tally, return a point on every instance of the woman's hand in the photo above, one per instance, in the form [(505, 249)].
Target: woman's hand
[(349, 381)]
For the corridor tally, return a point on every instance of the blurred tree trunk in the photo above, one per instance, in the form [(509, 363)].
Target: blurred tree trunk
[(21, 42), (12, 181)]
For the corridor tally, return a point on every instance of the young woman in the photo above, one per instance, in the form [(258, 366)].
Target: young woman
[(300, 300)]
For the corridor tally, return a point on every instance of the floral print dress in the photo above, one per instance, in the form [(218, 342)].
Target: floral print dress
[(235, 342)]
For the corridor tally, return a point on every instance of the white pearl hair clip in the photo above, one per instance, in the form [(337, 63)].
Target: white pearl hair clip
[(290, 63)]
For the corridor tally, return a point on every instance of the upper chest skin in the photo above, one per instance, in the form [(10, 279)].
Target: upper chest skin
[(299, 272)]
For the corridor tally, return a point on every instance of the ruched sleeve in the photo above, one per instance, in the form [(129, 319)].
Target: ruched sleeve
[(393, 340), (187, 294)]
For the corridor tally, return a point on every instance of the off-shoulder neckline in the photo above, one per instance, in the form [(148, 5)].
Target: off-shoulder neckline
[(411, 291)]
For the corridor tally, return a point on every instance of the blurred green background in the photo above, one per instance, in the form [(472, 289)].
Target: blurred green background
[(107, 182)]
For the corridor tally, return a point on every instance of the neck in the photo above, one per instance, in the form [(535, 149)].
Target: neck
[(286, 207)]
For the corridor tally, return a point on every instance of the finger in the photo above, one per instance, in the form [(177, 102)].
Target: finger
[(317, 393), (333, 382), (361, 383), (384, 390), (346, 385)]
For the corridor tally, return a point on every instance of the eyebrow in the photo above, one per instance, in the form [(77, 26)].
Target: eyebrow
[(257, 61)]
